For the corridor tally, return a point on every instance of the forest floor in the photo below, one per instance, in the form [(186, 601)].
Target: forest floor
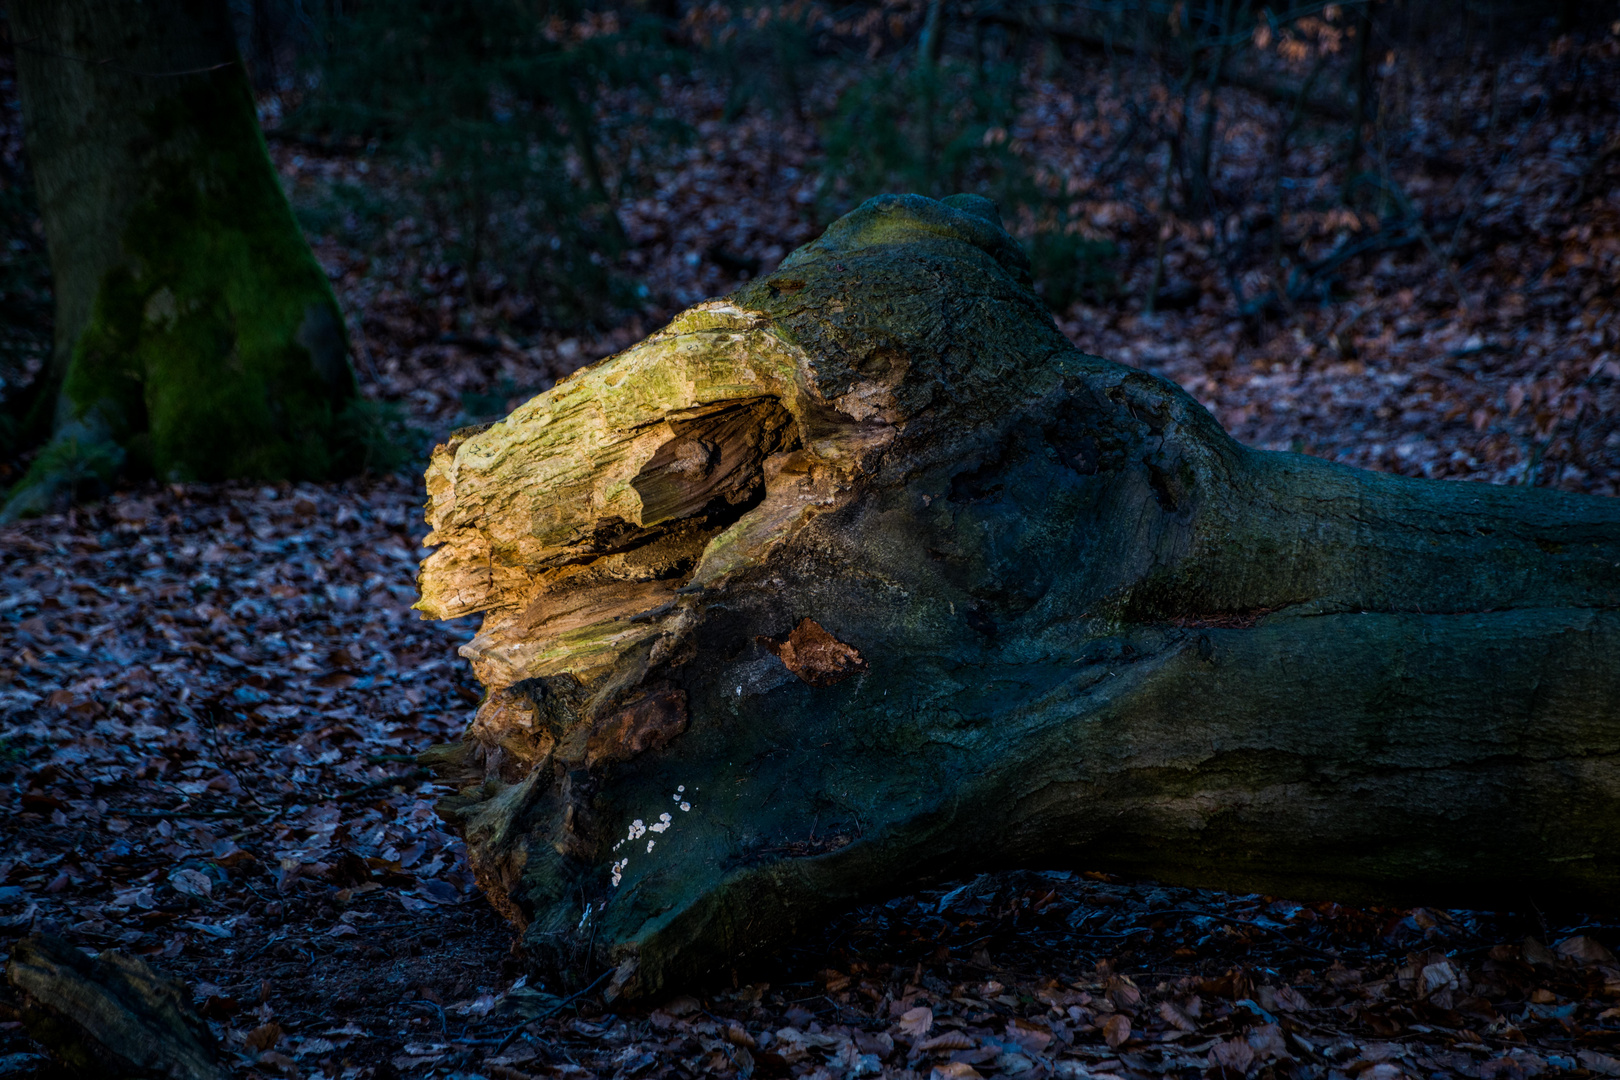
[(211, 695)]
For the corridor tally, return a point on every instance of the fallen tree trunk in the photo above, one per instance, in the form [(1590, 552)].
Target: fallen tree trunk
[(112, 1016), (865, 577)]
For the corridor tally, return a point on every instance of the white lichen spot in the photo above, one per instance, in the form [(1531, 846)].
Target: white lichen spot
[(585, 918), (739, 691), (650, 844), (661, 824), (638, 829), (618, 871), (617, 846), (680, 787), (686, 806)]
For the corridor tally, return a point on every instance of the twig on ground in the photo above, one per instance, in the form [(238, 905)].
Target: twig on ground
[(554, 1010)]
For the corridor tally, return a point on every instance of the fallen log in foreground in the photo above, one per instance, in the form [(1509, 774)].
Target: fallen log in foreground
[(109, 1017), (865, 577)]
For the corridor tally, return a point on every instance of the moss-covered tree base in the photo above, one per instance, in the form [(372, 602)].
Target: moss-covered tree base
[(197, 336), (865, 577)]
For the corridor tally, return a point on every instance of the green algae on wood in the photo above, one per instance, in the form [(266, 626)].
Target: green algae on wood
[(1093, 630)]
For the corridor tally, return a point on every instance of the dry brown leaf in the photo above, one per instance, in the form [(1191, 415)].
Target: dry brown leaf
[(1234, 1056), (1537, 953), (945, 1041), (1123, 992), (1291, 1000), (684, 1005), (879, 1045), (1267, 1042), (916, 1022), (1029, 1035), (1172, 1015), (1117, 1029), (1602, 1064), (815, 656), (1585, 951)]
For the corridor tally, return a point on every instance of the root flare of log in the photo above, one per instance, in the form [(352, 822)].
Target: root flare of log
[(865, 577)]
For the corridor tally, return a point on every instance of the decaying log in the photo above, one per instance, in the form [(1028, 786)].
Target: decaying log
[(109, 1017), (865, 577)]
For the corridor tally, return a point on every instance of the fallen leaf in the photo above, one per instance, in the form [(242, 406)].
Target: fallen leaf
[(1290, 1000), (1170, 1014), (1233, 1056), (1117, 1029), (1013, 1064), (1440, 975), (916, 1022), (1585, 951), (814, 655), (438, 892), (1602, 1064), (684, 1005), (1537, 953), (1267, 1042), (1026, 1034), (191, 883), (879, 1046)]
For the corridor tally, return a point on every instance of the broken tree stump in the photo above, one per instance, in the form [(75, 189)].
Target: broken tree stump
[(109, 1017), (865, 577)]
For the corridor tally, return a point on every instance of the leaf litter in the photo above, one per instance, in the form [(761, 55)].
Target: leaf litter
[(211, 695)]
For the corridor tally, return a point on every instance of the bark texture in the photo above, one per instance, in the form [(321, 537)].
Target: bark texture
[(112, 1016), (865, 577), (195, 332)]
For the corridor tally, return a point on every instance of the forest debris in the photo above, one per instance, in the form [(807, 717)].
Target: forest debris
[(113, 1015), (1602, 1064), (814, 655), (1584, 951), (915, 1023), (1232, 1057), (1535, 953), (944, 1041)]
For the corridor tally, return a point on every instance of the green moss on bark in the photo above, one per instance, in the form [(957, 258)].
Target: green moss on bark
[(206, 342), (220, 338)]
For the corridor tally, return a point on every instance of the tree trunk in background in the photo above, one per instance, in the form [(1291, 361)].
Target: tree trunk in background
[(195, 332), (865, 578)]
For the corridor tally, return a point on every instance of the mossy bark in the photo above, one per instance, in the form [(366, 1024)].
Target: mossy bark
[(865, 577), (195, 331)]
